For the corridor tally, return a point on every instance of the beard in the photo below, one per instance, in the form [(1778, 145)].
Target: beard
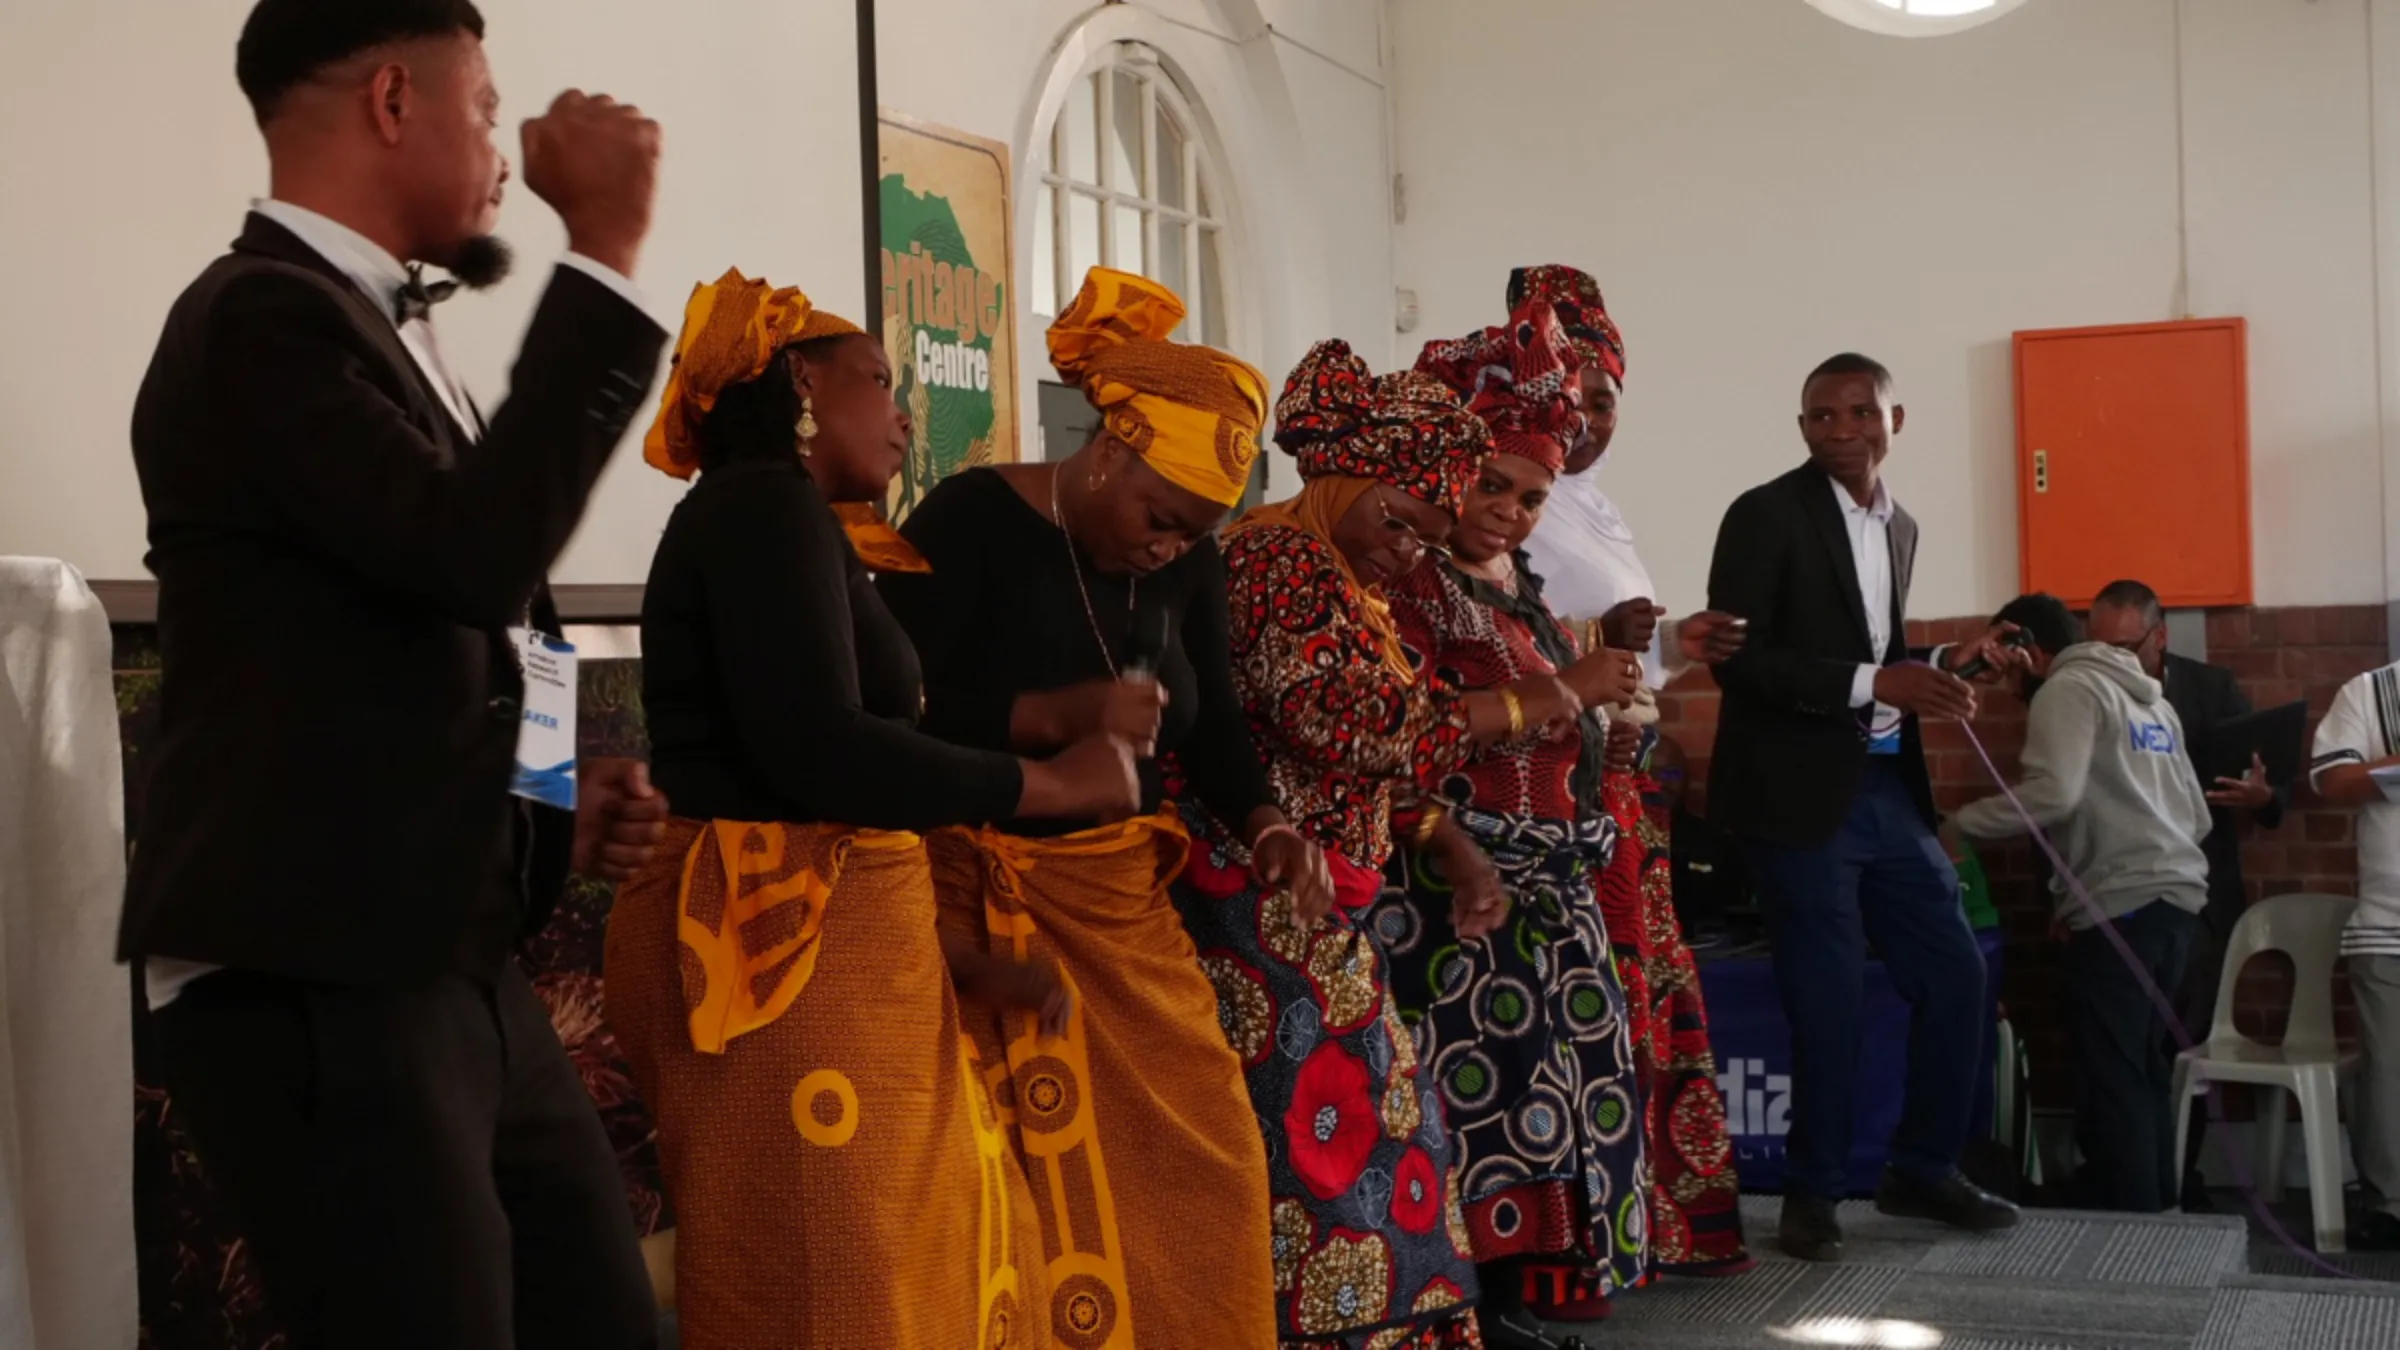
[(479, 263)]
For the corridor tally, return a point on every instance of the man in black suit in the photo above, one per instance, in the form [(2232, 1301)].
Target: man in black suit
[(1820, 772), (332, 874), (2127, 614)]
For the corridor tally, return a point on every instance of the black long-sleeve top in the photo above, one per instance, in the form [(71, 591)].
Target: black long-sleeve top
[(1000, 616), (776, 684)]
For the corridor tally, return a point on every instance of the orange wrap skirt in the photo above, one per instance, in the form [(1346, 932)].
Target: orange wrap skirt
[(1148, 1169), (839, 1175)]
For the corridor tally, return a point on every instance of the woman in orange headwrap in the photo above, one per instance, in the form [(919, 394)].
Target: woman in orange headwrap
[(1370, 1247), (1081, 596), (775, 979)]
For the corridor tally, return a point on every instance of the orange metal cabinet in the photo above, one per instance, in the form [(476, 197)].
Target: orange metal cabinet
[(2133, 460)]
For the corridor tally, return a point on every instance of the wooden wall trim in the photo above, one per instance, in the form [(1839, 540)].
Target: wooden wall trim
[(127, 601), (137, 602), (598, 604)]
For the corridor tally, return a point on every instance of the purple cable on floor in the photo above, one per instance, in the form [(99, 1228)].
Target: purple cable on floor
[(2242, 1179)]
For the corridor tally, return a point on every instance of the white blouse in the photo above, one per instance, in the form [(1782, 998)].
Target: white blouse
[(1583, 552)]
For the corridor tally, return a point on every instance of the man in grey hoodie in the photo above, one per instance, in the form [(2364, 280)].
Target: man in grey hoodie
[(2105, 777)]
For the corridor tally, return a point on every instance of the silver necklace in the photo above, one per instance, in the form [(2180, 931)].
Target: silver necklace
[(1058, 514)]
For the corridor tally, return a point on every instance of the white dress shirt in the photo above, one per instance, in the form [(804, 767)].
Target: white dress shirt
[(380, 275), (1870, 531)]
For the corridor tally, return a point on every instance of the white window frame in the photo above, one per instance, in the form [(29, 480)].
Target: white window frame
[(1163, 91), (1893, 19)]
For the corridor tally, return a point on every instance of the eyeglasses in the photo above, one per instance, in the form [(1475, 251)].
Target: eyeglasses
[(2136, 644), (1417, 542)]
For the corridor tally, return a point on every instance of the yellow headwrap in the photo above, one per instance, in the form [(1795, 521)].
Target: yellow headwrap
[(1190, 412), (732, 328)]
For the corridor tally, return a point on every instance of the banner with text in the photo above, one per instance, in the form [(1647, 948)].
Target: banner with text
[(949, 299)]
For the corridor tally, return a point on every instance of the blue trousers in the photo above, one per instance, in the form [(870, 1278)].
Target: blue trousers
[(1882, 879)]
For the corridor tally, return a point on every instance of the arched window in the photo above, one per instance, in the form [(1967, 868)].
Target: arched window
[(1916, 18), (1127, 182)]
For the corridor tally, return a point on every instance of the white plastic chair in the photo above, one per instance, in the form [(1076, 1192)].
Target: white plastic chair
[(2308, 1064)]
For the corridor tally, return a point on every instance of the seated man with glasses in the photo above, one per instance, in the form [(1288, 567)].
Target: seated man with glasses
[(2105, 777), (2128, 614)]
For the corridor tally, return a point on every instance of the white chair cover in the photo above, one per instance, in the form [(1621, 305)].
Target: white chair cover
[(66, 1048)]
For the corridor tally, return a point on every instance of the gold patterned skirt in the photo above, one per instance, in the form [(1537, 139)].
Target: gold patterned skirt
[(839, 1176), (1146, 1164)]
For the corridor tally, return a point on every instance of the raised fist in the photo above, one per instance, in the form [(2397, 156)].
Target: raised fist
[(595, 161)]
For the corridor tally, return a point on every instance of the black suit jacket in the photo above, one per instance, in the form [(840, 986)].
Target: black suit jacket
[(337, 564), (2205, 697), (1790, 749)]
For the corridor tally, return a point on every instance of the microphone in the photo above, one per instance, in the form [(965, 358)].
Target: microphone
[(1146, 646)]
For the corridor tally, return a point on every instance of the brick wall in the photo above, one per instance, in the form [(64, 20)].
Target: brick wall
[(2278, 654)]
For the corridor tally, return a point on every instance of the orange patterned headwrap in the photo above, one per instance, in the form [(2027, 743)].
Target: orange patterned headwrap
[(732, 329), (1190, 412)]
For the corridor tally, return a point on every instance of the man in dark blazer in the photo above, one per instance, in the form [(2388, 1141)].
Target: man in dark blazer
[(1819, 770), (331, 874), (2205, 697)]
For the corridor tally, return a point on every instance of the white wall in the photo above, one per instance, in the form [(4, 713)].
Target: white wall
[(115, 202), (1758, 186)]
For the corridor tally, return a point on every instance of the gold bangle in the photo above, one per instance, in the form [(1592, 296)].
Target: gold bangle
[(1427, 823), (1516, 712)]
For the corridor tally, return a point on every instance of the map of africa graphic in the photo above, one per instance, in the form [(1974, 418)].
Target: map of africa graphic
[(952, 427)]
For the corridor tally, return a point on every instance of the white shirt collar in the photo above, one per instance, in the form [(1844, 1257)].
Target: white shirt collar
[(369, 267), (1880, 508)]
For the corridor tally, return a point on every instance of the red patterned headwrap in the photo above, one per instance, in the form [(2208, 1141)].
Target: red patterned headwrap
[(1520, 380), (1402, 428), (1581, 311)]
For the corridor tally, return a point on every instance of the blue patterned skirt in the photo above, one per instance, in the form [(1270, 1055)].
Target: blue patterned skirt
[(1524, 1032)]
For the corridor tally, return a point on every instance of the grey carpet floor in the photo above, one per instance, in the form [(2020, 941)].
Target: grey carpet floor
[(2061, 1280)]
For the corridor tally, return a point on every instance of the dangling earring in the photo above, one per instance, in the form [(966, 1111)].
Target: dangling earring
[(807, 427)]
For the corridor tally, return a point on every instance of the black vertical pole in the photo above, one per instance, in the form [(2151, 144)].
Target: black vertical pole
[(870, 167)]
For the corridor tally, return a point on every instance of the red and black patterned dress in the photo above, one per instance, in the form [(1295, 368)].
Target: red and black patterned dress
[(1695, 1207), (1371, 1250), (1525, 1028)]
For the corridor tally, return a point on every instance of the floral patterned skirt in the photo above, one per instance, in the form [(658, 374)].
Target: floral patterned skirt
[(1371, 1252), (1526, 1032), (1695, 1198)]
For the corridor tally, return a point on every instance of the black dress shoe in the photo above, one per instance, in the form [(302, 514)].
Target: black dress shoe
[(2377, 1230), (1953, 1200), (1809, 1231)]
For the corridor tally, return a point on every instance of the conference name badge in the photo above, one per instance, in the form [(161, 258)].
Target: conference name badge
[(546, 725), (1883, 730)]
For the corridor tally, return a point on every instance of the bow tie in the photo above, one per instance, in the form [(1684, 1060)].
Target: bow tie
[(415, 299)]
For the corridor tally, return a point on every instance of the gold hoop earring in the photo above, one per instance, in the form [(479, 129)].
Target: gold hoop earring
[(807, 426)]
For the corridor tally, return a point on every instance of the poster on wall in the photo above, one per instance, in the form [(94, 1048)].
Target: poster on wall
[(949, 299)]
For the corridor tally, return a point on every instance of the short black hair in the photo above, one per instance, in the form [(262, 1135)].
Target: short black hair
[(759, 418), (2045, 618), (286, 43), (1851, 363), (2133, 595)]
